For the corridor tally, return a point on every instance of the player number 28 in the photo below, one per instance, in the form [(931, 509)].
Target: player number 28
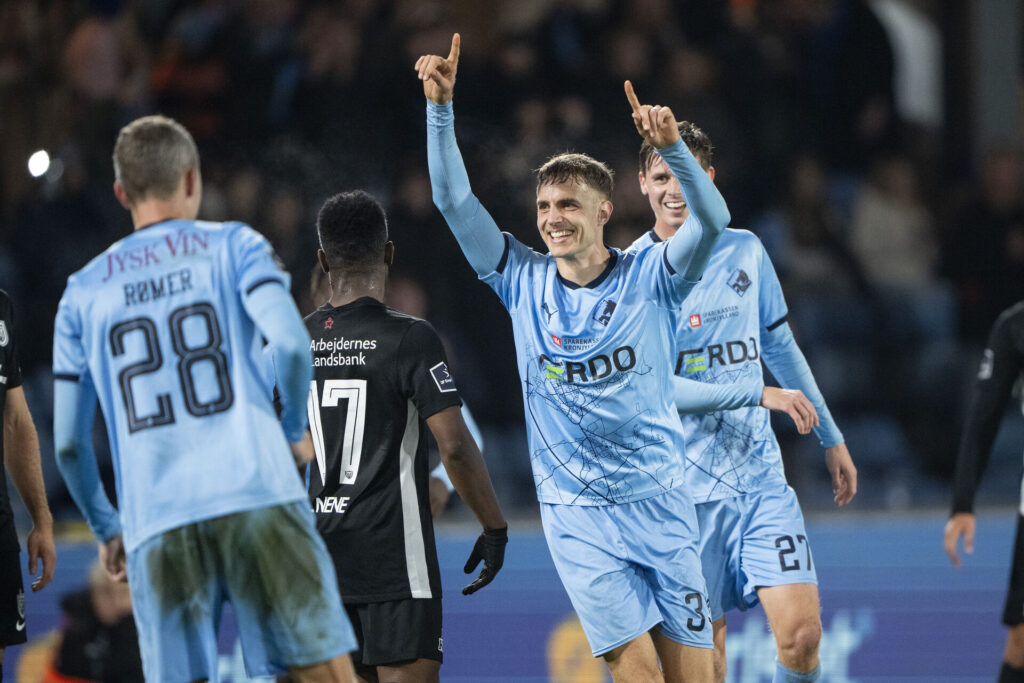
[(188, 356)]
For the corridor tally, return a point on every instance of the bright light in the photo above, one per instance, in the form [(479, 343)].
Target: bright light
[(39, 163)]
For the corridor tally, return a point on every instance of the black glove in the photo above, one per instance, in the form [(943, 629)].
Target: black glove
[(489, 547)]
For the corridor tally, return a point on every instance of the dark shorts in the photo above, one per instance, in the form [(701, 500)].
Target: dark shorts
[(1013, 613), (12, 600), (397, 631)]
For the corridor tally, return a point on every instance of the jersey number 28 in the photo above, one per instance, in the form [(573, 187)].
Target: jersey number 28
[(208, 351)]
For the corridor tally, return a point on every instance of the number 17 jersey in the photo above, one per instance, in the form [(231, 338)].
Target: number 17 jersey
[(158, 325), (378, 375)]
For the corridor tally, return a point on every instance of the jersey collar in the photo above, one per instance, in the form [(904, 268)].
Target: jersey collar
[(596, 281)]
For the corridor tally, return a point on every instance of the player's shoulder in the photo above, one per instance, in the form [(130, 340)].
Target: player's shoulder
[(1011, 317), (740, 238), (644, 241)]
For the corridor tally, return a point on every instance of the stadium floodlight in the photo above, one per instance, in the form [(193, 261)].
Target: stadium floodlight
[(39, 163)]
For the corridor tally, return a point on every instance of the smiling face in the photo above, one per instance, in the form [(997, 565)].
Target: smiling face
[(571, 217), (663, 191)]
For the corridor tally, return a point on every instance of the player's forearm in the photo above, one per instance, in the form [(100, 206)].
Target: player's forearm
[(787, 362), (277, 318), (474, 229), (706, 204), (468, 472), (21, 459), (980, 429), (73, 411), (702, 397)]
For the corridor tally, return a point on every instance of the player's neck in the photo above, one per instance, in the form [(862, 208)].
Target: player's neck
[(153, 211), (583, 269), (351, 286), (664, 230)]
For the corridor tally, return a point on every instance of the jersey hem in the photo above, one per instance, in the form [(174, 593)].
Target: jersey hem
[(134, 540)]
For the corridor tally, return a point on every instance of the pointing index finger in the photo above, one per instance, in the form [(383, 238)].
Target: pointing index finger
[(631, 96), (453, 54)]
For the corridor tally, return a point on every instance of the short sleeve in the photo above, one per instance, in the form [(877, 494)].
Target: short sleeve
[(9, 344), (256, 263), (771, 301), (69, 359), (423, 371)]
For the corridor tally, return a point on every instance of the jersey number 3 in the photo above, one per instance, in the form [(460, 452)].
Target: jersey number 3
[(353, 391)]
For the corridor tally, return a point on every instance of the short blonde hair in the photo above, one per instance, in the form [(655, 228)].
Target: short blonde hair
[(151, 155)]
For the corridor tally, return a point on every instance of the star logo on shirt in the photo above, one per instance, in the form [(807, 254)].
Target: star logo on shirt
[(329, 324)]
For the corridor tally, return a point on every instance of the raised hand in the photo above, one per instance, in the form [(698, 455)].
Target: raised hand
[(438, 73), (656, 124), (793, 403)]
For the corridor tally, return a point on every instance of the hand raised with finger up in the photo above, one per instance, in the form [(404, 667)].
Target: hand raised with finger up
[(438, 73), (656, 124)]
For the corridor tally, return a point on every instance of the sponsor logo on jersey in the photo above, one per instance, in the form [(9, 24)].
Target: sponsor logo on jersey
[(695, 320), (4, 337), (442, 378), (739, 281), (3, 378), (729, 353), (985, 369), (440, 644), (603, 312), (329, 324), (557, 340), (332, 505), (593, 369), (549, 312)]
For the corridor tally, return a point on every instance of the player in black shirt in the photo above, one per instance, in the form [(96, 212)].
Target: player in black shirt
[(1001, 366), (381, 377), (19, 454)]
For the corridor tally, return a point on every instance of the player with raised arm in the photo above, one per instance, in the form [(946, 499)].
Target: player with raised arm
[(19, 455), (380, 379), (166, 327), (593, 332), (753, 544), (1001, 366)]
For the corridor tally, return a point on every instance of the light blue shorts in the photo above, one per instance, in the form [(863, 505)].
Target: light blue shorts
[(751, 541), (269, 563), (631, 567)]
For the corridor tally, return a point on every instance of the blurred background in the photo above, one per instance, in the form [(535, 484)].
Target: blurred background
[(873, 145)]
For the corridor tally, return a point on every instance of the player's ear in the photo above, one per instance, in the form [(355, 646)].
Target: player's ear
[(711, 173), (191, 181), (122, 195), (389, 252), (643, 182), (322, 258), (605, 211)]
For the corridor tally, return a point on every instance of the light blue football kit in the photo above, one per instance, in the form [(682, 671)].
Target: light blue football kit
[(165, 328), (753, 531), (603, 433)]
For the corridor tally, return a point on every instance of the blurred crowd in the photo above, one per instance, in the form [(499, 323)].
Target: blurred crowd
[(895, 262)]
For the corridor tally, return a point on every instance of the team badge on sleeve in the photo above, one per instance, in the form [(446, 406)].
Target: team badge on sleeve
[(442, 378), (4, 338)]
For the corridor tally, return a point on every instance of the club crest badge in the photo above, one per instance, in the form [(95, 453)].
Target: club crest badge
[(739, 281), (4, 337)]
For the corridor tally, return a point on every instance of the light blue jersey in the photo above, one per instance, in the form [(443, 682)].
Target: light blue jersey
[(723, 329), (602, 427), (157, 325)]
